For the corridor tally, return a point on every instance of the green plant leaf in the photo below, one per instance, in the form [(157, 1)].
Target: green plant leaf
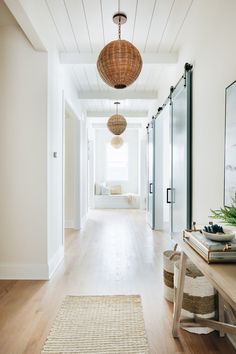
[(226, 214)]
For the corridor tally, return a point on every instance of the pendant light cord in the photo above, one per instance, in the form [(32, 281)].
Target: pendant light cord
[(119, 31), (119, 24), (116, 103)]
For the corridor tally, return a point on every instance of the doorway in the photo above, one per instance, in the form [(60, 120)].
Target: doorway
[(169, 205), (71, 170), (162, 169), (181, 154), (151, 174)]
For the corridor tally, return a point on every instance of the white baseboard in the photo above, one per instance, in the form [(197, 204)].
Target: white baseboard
[(69, 224), (55, 261), (31, 271), (24, 271)]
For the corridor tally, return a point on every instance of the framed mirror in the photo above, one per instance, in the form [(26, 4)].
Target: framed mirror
[(230, 144)]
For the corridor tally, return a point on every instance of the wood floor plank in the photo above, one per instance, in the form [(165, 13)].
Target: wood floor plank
[(115, 253)]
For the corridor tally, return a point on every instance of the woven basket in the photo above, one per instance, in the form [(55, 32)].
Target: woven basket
[(117, 124), (119, 63), (169, 259), (199, 297)]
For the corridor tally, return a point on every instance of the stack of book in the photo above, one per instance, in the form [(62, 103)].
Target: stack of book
[(211, 251)]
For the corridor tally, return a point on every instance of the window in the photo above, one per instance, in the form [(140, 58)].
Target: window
[(117, 163)]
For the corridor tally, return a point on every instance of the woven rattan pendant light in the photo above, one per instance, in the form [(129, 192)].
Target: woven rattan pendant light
[(117, 123), (119, 63), (117, 142)]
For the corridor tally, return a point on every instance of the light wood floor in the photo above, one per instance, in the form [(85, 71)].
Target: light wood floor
[(116, 253)]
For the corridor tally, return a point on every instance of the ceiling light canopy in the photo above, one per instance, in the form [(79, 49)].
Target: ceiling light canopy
[(117, 142), (117, 123), (119, 63)]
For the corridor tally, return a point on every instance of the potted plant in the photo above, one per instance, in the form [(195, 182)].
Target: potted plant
[(226, 214)]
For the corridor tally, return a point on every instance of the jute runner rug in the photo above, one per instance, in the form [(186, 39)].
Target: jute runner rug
[(98, 324)]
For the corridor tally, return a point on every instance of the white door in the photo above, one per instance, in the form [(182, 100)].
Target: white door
[(151, 169), (181, 156), (162, 169)]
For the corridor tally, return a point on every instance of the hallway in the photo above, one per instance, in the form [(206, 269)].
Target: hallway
[(115, 253)]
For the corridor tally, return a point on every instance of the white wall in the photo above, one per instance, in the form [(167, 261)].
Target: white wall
[(130, 136), (83, 171), (207, 41), (34, 87), (69, 153), (143, 183), (23, 148), (61, 93), (55, 121), (91, 168), (72, 172)]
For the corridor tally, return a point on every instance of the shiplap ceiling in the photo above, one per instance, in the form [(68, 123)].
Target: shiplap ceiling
[(86, 26)]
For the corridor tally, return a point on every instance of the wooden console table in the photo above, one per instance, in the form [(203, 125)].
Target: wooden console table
[(222, 277)]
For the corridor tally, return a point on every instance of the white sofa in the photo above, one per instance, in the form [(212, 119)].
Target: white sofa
[(117, 201)]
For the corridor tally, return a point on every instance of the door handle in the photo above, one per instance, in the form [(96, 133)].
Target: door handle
[(150, 188), (167, 195)]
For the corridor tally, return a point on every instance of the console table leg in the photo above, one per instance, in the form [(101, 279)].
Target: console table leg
[(221, 313), (179, 295)]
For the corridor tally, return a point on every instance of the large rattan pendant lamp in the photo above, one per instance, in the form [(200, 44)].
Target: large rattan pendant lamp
[(117, 142), (119, 63), (117, 123)]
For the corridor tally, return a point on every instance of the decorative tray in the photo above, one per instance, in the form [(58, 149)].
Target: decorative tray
[(219, 236)]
